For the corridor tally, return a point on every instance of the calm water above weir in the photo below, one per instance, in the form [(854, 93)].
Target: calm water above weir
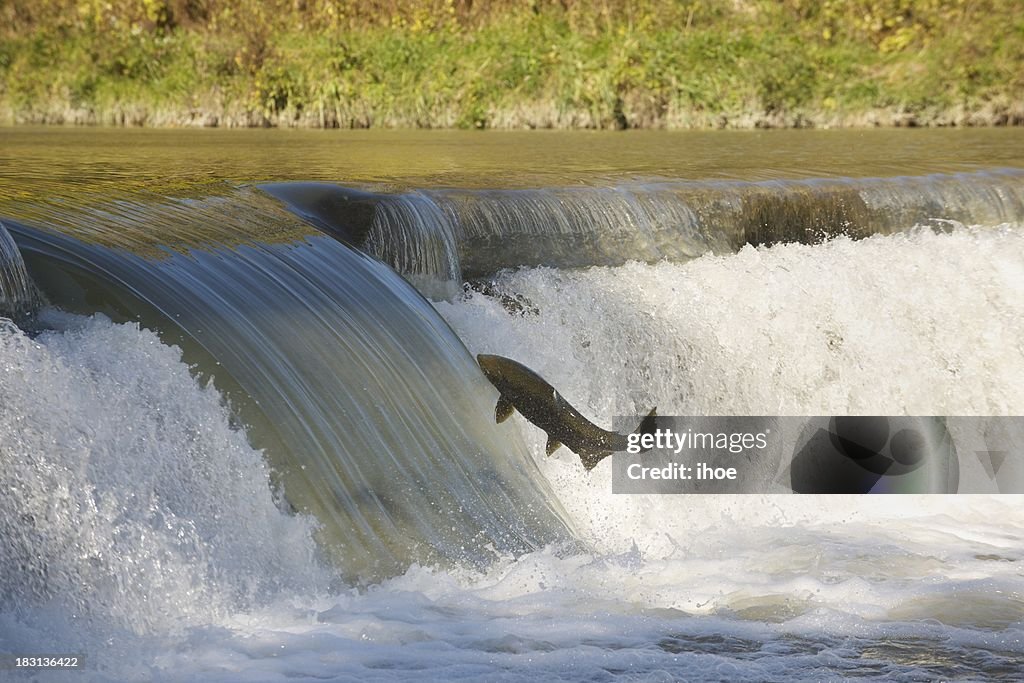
[(236, 444), (61, 158)]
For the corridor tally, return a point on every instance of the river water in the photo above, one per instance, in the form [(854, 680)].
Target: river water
[(243, 435)]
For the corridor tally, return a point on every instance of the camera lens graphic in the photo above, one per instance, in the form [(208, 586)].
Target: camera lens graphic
[(908, 447), (873, 454), (859, 437)]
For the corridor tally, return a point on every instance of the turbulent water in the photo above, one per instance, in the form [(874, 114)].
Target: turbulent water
[(236, 445)]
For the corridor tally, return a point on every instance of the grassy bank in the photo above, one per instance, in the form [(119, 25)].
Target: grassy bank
[(512, 63)]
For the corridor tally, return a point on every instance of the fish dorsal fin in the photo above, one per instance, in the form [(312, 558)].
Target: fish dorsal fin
[(503, 410), (553, 445)]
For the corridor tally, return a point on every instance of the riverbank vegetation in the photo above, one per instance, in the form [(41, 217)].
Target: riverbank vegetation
[(512, 63)]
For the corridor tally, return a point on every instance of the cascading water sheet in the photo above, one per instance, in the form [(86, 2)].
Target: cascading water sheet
[(236, 443)]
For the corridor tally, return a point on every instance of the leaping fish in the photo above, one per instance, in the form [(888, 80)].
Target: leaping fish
[(522, 389)]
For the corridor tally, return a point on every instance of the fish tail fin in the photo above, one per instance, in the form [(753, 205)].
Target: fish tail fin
[(590, 458)]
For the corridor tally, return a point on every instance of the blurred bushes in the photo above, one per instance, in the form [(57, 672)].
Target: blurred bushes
[(513, 63)]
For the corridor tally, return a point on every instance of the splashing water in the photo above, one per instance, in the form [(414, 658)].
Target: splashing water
[(128, 501), (17, 293), (140, 527), (918, 323)]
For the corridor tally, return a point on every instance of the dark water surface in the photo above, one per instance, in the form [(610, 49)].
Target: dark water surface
[(40, 159)]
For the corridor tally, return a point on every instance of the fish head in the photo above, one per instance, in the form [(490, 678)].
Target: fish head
[(493, 366), (519, 385)]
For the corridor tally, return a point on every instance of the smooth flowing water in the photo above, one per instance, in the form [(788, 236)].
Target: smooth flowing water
[(236, 443)]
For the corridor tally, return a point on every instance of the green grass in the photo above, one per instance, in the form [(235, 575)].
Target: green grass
[(518, 64)]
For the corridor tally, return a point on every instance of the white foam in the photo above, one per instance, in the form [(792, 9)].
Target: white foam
[(208, 581), (744, 603), (918, 323), (128, 503)]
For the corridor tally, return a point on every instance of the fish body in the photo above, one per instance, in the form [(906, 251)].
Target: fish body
[(522, 389)]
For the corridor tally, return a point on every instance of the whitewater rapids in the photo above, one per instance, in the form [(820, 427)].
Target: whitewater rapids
[(171, 577)]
